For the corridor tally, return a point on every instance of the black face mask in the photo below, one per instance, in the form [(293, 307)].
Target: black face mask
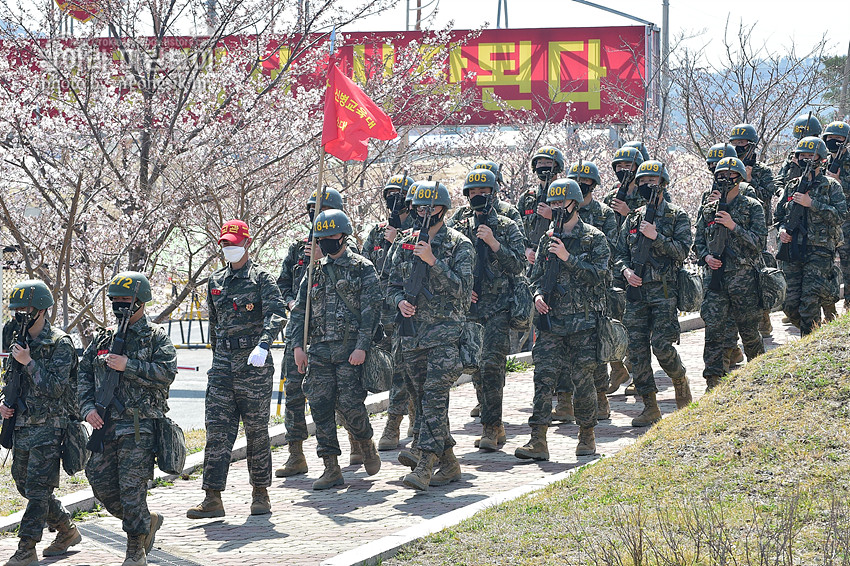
[(833, 145), (622, 174), (724, 184), (585, 188), (120, 310), (392, 200), (746, 153), (331, 246), (22, 317), (480, 203), (645, 191), (569, 213), (543, 172)]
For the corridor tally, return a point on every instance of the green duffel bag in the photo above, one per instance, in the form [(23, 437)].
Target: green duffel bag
[(690, 291), (772, 287), (75, 455), (170, 446), (522, 304), (612, 340), (471, 342), (377, 374)]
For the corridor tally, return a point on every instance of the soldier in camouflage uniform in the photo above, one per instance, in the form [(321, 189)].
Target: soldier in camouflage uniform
[(835, 137), (48, 366), (119, 474), (731, 278), (567, 317), (546, 163), (652, 318), (809, 266), (744, 138), (431, 357), (246, 312), (804, 125), (292, 272), (500, 246), (345, 309)]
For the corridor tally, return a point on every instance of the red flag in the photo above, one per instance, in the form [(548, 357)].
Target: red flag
[(351, 118)]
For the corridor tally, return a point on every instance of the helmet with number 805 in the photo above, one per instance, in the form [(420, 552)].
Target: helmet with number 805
[(549, 152), (333, 199), (490, 166), (812, 144), (653, 167), (564, 189), (731, 164), (124, 285), (31, 292), (331, 223), (589, 170), (432, 192), (479, 178)]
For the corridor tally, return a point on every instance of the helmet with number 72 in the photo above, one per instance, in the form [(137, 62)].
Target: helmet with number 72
[(124, 285)]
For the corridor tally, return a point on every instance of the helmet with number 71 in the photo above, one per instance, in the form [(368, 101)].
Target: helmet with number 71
[(564, 189), (812, 144), (124, 285), (653, 167), (331, 223), (33, 292), (432, 193)]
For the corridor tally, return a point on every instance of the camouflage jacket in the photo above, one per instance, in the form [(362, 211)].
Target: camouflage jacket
[(669, 250), (244, 303), (824, 217), (744, 243), (601, 217), (49, 380), (844, 179), (761, 181), (502, 208), (744, 188), (789, 171), (143, 387), (376, 248), (531, 221), (504, 265), (331, 320), (584, 277), (439, 318), (293, 269)]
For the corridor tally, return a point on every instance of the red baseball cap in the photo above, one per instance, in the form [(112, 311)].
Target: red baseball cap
[(233, 232)]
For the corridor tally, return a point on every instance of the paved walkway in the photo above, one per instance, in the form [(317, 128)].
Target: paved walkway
[(307, 527)]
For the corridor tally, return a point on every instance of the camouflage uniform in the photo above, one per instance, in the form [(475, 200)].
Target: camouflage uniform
[(335, 332), (741, 262), (502, 208), (811, 282), (431, 359), (246, 309), (572, 341), (653, 319), (527, 207), (761, 181), (493, 307), (50, 383), (844, 248), (119, 475)]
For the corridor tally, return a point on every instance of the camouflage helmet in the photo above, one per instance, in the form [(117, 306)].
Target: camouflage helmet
[(589, 170), (549, 152), (399, 182), (731, 164), (837, 128), (638, 145), (124, 285), (564, 189), (32, 292), (432, 193), (627, 154), (812, 144), (480, 178), (490, 166), (653, 167), (744, 132), (333, 199), (331, 223), (718, 151), (806, 125)]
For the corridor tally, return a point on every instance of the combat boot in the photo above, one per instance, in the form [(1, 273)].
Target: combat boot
[(371, 460), (135, 551), (68, 536), (683, 392), (586, 441), (765, 326), (389, 439), (537, 448), (490, 439), (651, 413), (631, 390), (603, 408), (260, 503), (411, 418), (619, 375), (449, 470), (25, 555), (148, 539), (356, 456), (420, 478), (331, 477), (296, 463), (736, 355), (410, 457), (210, 507), (711, 382), (476, 410), (502, 438), (564, 410)]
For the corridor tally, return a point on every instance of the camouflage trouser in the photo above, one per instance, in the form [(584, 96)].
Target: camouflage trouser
[(237, 391), (295, 400), (35, 469), (600, 379), (489, 380), (332, 384), (119, 477), (553, 355), (430, 374), (653, 321), (399, 394), (844, 254), (734, 304), (810, 285)]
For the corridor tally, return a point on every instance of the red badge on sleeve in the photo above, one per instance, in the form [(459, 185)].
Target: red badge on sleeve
[(215, 291), (408, 246), (102, 352)]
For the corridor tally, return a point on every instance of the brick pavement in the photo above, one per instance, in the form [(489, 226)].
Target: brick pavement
[(307, 527)]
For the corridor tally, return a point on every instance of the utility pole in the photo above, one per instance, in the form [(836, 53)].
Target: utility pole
[(665, 59), (499, 14), (418, 15), (843, 110)]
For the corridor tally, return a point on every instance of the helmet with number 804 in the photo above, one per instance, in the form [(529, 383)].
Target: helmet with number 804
[(744, 132), (589, 170), (333, 199), (718, 151), (812, 144), (837, 128), (331, 223), (564, 189), (653, 167), (33, 290), (806, 125), (731, 164), (490, 166), (399, 182), (432, 193), (549, 152), (627, 154), (124, 285), (479, 178)]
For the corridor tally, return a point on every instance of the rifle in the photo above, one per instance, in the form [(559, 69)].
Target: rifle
[(105, 397), (642, 255), (415, 284), (549, 284), (14, 393), (796, 222), (395, 214), (837, 162), (540, 224), (482, 252), (717, 245), (623, 189)]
